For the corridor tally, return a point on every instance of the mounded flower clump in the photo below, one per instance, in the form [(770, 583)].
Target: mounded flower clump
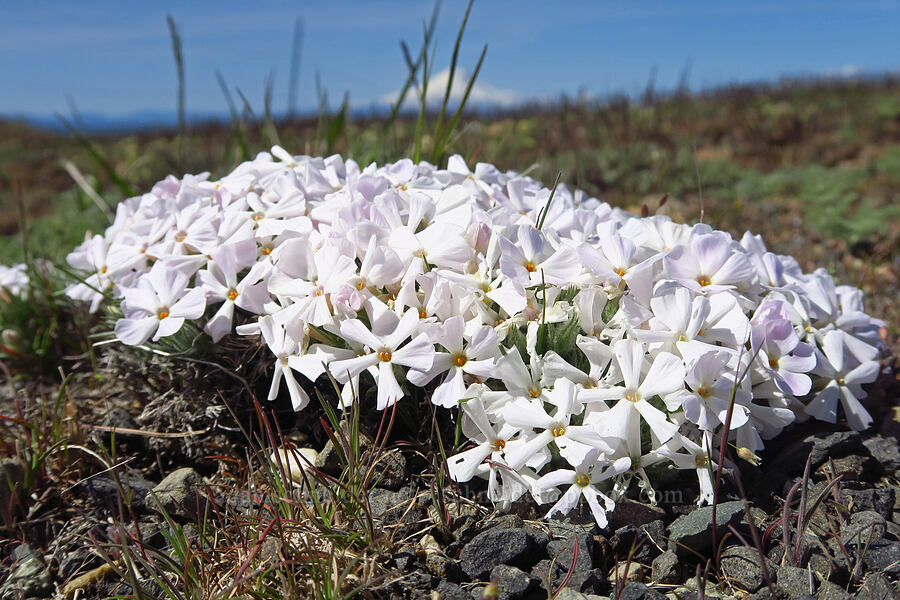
[(581, 344)]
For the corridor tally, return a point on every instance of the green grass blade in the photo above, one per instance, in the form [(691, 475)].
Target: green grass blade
[(337, 124), (98, 158), (454, 59), (179, 68), (236, 124), (442, 142)]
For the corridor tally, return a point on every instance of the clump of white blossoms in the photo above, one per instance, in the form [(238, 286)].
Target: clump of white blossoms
[(579, 344)]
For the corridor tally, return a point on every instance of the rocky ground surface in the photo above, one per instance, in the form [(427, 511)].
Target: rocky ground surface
[(451, 546)]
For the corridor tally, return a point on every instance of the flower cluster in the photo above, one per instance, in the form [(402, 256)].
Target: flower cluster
[(581, 344), (13, 280)]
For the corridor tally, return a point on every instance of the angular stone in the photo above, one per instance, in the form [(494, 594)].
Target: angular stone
[(864, 527), (516, 547), (666, 568), (563, 551), (694, 530), (741, 565), (794, 581), (180, 494), (451, 591), (632, 512), (875, 587), (886, 451), (512, 583), (29, 577), (883, 556), (638, 591), (397, 511), (881, 500), (832, 591)]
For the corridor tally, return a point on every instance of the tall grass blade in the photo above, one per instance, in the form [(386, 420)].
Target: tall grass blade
[(98, 158), (270, 131), (442, 143), (412, 66), (453, 60), (236, 123), (179, 67), (337, 124)]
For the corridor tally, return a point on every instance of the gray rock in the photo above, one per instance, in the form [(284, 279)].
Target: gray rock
[(512, 583), (397, 511), (642, 543), (77, 561), (563, 551), (694, 530), (864, 526), (451, 591), (570, 594), (131, 484), (505, 521), (444, 568), (875, 587), (741, 565), (885, 451), (516, 547), (794, 582), (390, 472), (29, 577), (832, 591), (822, 446), (881, 500), (883, 556), (583, 581), (638, 591), (632, 512), (180, 494), (855, 467), (666, 568)]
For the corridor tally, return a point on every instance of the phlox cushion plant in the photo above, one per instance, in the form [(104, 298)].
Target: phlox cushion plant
[(576, 344)]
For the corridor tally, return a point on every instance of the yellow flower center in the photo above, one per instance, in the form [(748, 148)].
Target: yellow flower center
[(257, 216), (632, 396), (701, 460), (180, 236), (232, 294), (163, 313), (384, 355), (460, 359), (498, 445), (840, 381), (534, 392), (557, 430), (360, 285), (704, 281), (620, 272), (703, 391), (103, 270), (773, 362), (582, 480), (529, 266), (423, 314)]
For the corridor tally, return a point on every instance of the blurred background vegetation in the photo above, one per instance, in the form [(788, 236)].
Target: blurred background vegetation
[(813, 166)]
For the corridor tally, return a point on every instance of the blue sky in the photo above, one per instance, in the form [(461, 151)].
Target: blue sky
[(114, 57)]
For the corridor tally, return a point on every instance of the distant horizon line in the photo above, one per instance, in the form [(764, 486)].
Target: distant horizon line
[(143, 119)]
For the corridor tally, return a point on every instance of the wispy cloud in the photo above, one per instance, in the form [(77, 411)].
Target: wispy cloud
[(483, 94)]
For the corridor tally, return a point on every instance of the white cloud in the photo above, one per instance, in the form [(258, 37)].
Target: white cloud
[(844, 72), (482, 94)]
